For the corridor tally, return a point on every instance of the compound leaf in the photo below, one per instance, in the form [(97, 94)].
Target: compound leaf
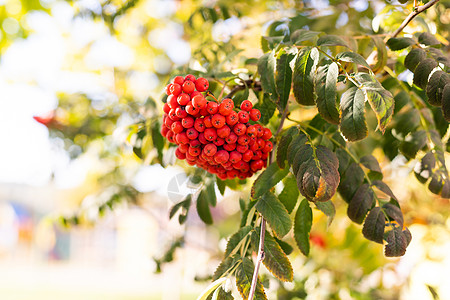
[(275, 213)]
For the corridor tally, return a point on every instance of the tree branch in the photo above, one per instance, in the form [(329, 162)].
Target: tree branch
[(256, 85), (412, 15)]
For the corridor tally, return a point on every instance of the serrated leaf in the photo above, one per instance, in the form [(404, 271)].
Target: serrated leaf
[(236, 238), (267, 108), (353, 57), (325, 88), (353, 124), (439, 56), (384, 188), (302, 226), (361, 203), (294, 146), (446, 102), (244, 275), (413, 143), (226, 264), (275, 259), (397, 243), (203, 208), (222, 295), (287, 248), (424, 168), (289, 194), (317, 176), (275, 213), (422, 72), (331, 40), (328, 209), (396, 44), (266, 69), (381, 53), (301, 35), (374, 224), (283, 78), (303, 77), (394, 213), (370, 162), (185, 204), (267, 180), (210, 288), (428, 39), (282, 149), (435, 87), (414, 57), (406, 122)]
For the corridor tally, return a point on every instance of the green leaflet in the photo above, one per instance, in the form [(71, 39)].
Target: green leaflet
[(267, 180), (361, 203), (275, 260), (244, 275), (210, 288), (297, 142), (446, 102), (351, 181), (266, 68), (413, 143), (236, 238), (328, 209), (353, 124), (283, 78), (397, 241), (301, 35), (275, 213), (182, 204), (226, 264), (267, 108), (384, 188), (303, 77), (302, 226), (289, 194), (325, 88), (435, 87), (353, 57), (374, 224), (394, 213), (158, 140), (331, 40), (370, 162), (414, 57), (396, 44), (422, 72), (428, 39), (203, 208), (282, 149), (381, 53)]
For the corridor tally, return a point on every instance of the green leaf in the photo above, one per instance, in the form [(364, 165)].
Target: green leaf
[(373, 228), (236, 238), (317, 176), (266, 69), (394, 213), (428, 39), (414, 57), (422, 72), (287, 248), (289, 194), (275, 259), (353, 57), (226, 264), (301, 35), (406, 122), (222, 295), (351, 181), (283, 78), (396, 44), (397, 243), (182, 204), (353, 124), (439, 56), (285, 141), (328, 209), (303, 77), (221, 185), (413, 143), (361, 203), (302, 226), (424, 168), (331, 40), (203, 208), (244, 275), (267, 108), (294, 146), (371, 163), (384, 188), (325, 88), (211, 193), (382, 55), (158, 140), (275, 213), (211, 287), (267, 180), (446, 102), (435, 87)]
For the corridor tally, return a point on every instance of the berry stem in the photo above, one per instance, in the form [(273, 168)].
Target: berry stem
[(210, 94)]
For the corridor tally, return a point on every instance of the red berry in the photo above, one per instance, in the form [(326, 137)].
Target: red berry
[(172, 101), (229, 147), (255, 114), (259, 130), (218, 120), (199, 101), (183, 99), (256, 165), (210, 134), (175, 89), (247, 156), (179, 154), (194, 151), (183, 148), (219, 141), (178, 80), (232, 118), (164, 130), (243, 116), (166, 108), (188, 86), (226, 107), (243, 140), (191, 133), (201, 84), (167, 89), (241, 148), (190, 77), (171, 136), (257, 155), (187, 122), (232, 174), (195, 143), (181, 112), (267, 134), (202, 139), (210, 149), (239, 129), (246, 105), (268, 147), (232, 138), (168, 122), (208, 122), (261, 143), (204, 112), (182, 138), (173, 115), (177, 127), (190, 109), (251, 131), (221, 156), (199, 125), (223, 131), (212, 107), (235, 157)]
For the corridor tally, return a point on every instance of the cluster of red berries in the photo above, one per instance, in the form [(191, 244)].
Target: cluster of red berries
[(214, 136)]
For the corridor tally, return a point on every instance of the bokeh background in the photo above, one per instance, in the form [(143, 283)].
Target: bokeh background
[(84, 214)]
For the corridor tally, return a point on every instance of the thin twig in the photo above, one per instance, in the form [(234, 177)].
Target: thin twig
[(412, 15), (256, 85)]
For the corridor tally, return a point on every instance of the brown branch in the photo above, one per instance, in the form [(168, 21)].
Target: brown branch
[(412, 15), (256, 85)]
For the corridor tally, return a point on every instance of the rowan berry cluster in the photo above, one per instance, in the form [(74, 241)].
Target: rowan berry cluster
[(215, 136)]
